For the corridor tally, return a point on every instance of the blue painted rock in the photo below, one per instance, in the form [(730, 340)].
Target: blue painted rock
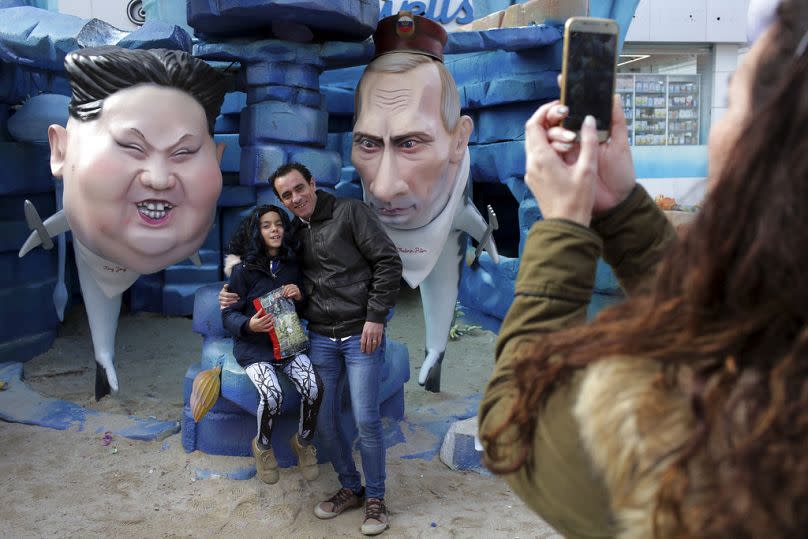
[(350, 189), (328, 19), (25, 347), (259, 162), (18, 84), (158, 35), (40, 38), (503, 123), (178, 298), (279, 73), (489, 287), (235, 196), (339, 100), (495, 162), (188, 273), (4, 112), (12, 207), (27, 308), (12, 235), (26, 168), (227, 124), (234, 102), (207, 319), (147, 293), (30, 123), (231, 219), (227, 431), (231, 159), (287, 94), (529, 213), (324, 165), (37, 265), (274, 121)]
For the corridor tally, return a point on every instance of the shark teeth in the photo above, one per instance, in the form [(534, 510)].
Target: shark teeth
[(154, 209)]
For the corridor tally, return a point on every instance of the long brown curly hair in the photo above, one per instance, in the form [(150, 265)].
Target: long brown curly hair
[(730, 303)]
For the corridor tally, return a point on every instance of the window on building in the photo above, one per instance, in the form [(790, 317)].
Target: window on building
[(665, 94)]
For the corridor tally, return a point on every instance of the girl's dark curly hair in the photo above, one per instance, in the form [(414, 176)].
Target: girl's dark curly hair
[(248, 242), (730, 303)]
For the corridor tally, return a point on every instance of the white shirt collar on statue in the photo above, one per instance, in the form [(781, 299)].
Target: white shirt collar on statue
[(419, 248), (112, 278)]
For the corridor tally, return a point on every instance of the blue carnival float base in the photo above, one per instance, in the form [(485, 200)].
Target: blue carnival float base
[(229, 427)]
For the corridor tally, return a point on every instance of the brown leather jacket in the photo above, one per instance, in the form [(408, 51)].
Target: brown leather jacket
[(351, 268)]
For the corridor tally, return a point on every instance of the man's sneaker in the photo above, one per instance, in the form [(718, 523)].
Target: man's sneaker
[(376, 520), (266, 467), (343, 500), (306, 458)]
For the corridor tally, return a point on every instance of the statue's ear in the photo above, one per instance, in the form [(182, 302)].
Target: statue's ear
[(460, 138), (57, 138)]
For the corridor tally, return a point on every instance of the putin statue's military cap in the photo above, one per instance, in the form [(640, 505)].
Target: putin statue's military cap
[(406, 32)]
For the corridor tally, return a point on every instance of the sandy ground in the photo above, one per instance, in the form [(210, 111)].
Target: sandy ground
[(67, 484)]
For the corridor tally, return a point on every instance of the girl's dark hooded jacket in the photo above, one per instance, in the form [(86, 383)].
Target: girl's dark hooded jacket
[(250, 281)]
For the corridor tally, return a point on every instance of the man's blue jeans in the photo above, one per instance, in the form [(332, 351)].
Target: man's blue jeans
[(336, 362)]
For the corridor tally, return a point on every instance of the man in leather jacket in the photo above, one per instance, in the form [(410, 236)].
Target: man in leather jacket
[(351, 276)]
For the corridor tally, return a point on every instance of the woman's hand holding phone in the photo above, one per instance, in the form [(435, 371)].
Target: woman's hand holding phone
[(615, 178), (564, 187)]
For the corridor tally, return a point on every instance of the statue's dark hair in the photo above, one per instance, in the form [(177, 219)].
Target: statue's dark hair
[(97, 73), (283, 170)]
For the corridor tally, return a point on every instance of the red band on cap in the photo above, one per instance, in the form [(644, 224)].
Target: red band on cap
[(406, 32)]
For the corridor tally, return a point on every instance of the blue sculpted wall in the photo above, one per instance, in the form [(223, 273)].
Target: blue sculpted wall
[(293, 101), (32, 96)]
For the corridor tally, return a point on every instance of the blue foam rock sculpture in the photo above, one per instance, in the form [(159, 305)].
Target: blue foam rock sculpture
[(38, 265), (12, 206), (17, 84), (287, 94), (233, 415), (235, 196), (349, 20), (38, 38), (274, 121), (25, 347), (157, 35), (12, 235), (4, 112), (491, 162), (258, 162), (488, 287), (27, 308), (231, 158), (147, 293), (97, 33), (31, 121), (26, 168), (324, 165), (234, 102), (504, 123)]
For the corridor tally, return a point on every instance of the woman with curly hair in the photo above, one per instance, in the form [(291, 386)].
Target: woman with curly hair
[(683, 411), (270, 266)]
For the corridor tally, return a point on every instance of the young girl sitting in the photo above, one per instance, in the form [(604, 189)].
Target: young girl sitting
[(270, 263)]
